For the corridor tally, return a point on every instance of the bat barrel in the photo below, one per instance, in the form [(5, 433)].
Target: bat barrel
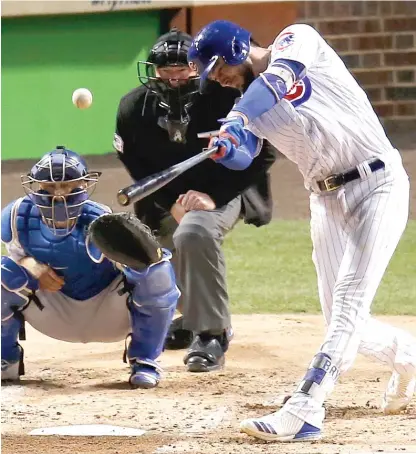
[(142, 188)]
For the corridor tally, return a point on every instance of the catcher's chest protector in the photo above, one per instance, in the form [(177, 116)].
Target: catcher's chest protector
[(69, 256)]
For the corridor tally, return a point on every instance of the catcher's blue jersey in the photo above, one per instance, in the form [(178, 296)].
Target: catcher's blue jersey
[(85, 270)]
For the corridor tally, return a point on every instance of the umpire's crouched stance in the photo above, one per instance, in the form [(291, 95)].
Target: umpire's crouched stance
[(157, 127)]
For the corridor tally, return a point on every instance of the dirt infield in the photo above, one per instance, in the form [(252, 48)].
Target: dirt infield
[(197, 413), (190, 413)]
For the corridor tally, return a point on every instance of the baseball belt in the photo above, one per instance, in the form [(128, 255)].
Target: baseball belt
[(334, 182)]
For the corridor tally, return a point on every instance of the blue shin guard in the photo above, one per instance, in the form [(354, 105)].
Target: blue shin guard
[(16, 287), (152, 306)]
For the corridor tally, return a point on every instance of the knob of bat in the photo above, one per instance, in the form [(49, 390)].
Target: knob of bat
[(122, 198)]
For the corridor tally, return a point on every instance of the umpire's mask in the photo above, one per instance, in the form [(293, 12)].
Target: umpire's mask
[(168, 75)]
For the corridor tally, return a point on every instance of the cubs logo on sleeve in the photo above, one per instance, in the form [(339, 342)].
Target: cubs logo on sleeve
[(300, 92), (285, 40)]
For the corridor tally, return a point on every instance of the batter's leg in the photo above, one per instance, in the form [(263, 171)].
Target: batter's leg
[(375, 224), (380, 341), (374, 219)]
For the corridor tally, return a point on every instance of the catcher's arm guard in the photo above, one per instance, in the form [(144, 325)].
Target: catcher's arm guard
[(122, 238)]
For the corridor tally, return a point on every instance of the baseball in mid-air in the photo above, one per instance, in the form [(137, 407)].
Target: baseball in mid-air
[(82, 98)]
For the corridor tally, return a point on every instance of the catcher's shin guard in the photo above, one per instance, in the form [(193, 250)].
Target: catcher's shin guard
[(16, 289), (11, 352), (152, 306)]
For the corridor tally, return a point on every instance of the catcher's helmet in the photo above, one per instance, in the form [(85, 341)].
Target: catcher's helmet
[(220, 38), (59, 184)]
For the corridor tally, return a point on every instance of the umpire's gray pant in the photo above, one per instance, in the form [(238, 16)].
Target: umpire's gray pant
[(198, 259)]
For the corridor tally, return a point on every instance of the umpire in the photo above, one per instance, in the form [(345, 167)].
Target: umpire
[(157, 126)]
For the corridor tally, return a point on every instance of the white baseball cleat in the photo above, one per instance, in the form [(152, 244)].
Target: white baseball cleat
[(280, 426), (10, 371), (399, 393)]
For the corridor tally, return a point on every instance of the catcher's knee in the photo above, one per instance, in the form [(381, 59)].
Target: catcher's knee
[(156, 286), (16, 287)]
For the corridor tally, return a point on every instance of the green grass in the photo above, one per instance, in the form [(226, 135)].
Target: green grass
[(270, 270)]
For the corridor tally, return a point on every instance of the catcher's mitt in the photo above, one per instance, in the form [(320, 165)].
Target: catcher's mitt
[(121, 237)]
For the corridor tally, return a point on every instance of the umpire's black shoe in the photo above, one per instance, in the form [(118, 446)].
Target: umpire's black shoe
[(206, 353), (177, 337)]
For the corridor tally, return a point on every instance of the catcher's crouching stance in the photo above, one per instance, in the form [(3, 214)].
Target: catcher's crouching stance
[(77, 273)]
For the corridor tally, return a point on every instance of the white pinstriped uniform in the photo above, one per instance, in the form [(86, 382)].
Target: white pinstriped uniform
[(355, 230)]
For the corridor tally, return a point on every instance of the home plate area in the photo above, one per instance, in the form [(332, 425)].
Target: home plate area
[(76, 399)]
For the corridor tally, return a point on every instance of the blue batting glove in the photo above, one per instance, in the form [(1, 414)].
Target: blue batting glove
[(225, 148), (232, 135)]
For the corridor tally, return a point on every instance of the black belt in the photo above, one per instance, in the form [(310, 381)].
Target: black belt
[(334, 182)]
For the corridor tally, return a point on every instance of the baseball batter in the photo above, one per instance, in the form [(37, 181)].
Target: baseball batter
[(299, 95), (58, 280)]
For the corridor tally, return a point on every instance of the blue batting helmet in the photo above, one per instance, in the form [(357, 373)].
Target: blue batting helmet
[(220, 38), (59, 184)]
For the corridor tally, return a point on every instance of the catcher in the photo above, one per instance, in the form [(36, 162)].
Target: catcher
[(77, 273)]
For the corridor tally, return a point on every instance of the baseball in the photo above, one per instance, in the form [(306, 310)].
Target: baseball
[(82, 98)]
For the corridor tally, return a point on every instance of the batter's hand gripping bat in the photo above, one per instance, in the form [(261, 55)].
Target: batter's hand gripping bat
[(152, 183)]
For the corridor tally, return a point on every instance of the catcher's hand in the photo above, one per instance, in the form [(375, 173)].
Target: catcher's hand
[(121, 237)]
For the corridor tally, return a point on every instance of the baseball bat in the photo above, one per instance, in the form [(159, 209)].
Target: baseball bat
[(208, 134), (146, 186)]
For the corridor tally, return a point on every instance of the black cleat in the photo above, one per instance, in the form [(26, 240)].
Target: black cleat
[(206, 353), (177, 337)]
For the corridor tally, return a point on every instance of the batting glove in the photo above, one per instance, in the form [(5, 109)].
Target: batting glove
[(231, 136)]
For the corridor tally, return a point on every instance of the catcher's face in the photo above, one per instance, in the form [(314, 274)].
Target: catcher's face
[(61, 197), (238, 76), (64, 188)]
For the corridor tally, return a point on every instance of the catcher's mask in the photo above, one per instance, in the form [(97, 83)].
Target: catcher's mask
[(59, 184), (175, 92)]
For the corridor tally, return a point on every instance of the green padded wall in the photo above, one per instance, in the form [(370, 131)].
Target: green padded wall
[(44, 59)]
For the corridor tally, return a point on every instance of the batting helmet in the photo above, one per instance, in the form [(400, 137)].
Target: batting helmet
[(220, 38)]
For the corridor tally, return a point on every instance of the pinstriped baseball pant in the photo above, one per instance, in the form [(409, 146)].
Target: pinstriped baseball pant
[(355, 231)]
